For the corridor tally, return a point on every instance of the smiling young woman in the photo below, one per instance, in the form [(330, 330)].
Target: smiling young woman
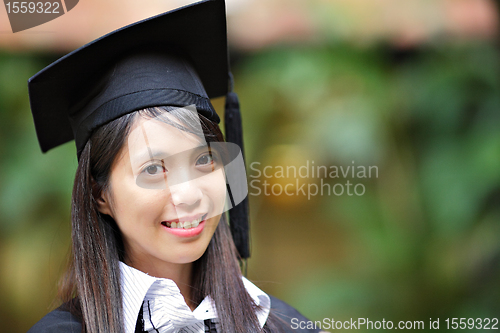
[(168, 205), (152, 250), (132, 216)]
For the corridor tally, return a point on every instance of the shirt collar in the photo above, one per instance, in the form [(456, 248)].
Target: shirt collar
[(136, 284)]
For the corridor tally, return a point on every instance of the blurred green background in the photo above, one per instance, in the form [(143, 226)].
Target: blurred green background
[(421, 242)]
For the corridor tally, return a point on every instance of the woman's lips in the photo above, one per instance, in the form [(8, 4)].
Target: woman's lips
[(183, 224), (186, 228)]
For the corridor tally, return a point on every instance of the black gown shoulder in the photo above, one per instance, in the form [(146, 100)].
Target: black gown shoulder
[(61, 320), (289, 318)]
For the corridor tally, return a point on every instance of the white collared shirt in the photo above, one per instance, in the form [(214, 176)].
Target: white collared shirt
[(138, 287)]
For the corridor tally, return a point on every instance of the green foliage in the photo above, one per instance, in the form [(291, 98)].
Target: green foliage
[(35, 194), (423, 240)]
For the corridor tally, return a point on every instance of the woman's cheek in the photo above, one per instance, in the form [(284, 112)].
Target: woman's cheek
[(217, 190)]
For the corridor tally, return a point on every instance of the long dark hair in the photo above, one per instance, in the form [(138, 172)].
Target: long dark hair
[(91, 286)]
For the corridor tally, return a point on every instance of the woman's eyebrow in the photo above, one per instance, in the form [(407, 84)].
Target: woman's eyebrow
[(202, 146), (151, 153), (190, 151)]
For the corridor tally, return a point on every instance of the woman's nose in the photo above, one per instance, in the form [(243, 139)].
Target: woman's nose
[(186, 193)]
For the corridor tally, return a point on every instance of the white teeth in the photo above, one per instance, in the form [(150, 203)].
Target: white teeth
[(185, 224)]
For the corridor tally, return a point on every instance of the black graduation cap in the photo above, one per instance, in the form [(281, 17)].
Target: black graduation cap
[(177, 58)]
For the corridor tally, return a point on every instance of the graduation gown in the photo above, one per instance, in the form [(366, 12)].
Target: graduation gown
[(62, 321)]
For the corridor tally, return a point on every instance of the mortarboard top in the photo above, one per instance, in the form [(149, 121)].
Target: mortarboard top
[(157, 61)]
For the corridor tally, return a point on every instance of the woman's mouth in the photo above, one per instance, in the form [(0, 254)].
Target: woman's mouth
[(185, 227), (184, 224)]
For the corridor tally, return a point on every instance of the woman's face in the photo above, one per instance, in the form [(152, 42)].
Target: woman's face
[(166, 194)]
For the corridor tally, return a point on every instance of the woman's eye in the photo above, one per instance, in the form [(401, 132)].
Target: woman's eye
[(205, 159), (154, 170)]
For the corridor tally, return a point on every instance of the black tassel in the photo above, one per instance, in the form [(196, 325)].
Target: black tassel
[(238, 216)]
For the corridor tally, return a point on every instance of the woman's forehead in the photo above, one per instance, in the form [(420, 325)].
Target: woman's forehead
[(163, 134)]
